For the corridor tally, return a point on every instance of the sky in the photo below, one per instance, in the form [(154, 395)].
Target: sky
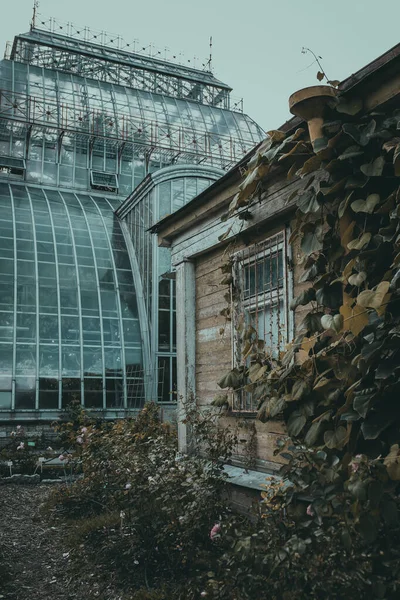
[(256, 45)]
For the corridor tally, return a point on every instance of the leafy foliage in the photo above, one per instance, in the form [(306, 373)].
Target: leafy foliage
[(339, 378)]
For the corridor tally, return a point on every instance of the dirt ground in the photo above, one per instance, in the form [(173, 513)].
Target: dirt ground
[(35, 560)]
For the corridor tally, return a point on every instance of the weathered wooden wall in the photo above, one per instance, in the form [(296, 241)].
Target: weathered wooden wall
[(214, 350)]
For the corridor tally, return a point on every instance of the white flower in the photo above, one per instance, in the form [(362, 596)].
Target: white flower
[(21, 446), (128, 486), (79, 439)]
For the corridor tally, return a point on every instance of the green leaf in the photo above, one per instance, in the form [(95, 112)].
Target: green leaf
[(366, 206), (300, 388), (368, 527), (308, 202), (375, 423), (363, 400), (296, 423), (276, 406), (390, 512), (256, 371), (358, 489), (375, 491), (375, 168), (344, 203), (396, 161), (361, 135), (360, 242), (349, 107), (311, 323), (334, 322), (303, 298), (351, 152), (312, 241), (313, 433), (336, 439)]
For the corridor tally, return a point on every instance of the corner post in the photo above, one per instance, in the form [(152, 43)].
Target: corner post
[(186, 345)]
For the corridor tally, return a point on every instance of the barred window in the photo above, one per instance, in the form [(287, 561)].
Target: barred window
[(260, 305)]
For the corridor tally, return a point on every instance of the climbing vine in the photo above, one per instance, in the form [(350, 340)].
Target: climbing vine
[(337, 384)]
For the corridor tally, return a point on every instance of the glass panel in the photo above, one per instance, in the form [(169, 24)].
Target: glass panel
[(114, 393), (71, 361), (6, 326), (25, 392), (6, 359), (164, 382), (26, 327), (5, 399), (92, 361), (71, 391), (48, 329), (26, 359), (164, 330), (48, 361), (48, 393), (94, 393)]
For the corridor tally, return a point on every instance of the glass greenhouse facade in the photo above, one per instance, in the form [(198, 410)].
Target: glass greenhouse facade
[(97, 144)]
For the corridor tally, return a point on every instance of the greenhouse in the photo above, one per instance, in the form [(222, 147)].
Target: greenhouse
[(96, 144)]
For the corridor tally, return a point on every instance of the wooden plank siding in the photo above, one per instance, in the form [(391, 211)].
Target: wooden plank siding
[(214, 346)]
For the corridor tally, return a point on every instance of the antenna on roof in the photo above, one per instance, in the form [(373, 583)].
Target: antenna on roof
[(209, 62), (35, 11)]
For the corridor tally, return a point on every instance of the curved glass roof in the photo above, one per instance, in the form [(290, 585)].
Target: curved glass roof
[(68, 312), (71, 101)]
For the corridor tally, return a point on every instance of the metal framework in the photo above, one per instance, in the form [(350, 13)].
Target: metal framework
[(84, 308), (88, 54), (123, 130)]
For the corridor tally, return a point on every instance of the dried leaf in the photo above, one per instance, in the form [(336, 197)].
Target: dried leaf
[(360, 242), (373, 298), (354, 317), (392, 463)]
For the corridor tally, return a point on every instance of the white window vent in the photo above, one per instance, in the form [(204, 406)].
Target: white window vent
[(12, 166), (108, 182)]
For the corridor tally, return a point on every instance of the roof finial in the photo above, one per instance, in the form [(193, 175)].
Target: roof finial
[(34, 15), (209, 63)]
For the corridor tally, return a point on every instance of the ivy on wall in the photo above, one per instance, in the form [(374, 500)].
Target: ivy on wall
[(337, 384)]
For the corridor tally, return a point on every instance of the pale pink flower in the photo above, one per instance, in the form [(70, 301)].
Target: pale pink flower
[(310, 510), (84, 429), (62, 457), (215, 531), (79, 439)]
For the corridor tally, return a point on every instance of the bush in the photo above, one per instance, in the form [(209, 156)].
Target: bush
[(159, 521), (149, 509)]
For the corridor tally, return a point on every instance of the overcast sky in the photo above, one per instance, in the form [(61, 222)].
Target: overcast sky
[(256, 45)]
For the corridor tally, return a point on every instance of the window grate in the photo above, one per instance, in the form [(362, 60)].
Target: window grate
[(107, 182), (260, 308)]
